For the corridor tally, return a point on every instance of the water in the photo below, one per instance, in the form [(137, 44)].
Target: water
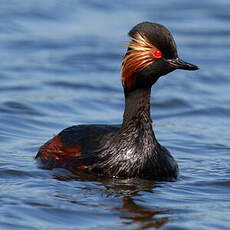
[(60, 65)]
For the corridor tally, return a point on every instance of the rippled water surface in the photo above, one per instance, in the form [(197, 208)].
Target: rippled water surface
[(60, 65)]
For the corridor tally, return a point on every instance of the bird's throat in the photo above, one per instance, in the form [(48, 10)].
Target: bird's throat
[(137, 106)]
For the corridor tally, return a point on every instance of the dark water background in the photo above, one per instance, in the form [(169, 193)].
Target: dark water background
[(60, 65)]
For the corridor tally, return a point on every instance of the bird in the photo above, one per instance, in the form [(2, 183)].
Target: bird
[(129, 150)]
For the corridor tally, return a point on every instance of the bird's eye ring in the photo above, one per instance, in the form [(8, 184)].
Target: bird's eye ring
[(157, 53)]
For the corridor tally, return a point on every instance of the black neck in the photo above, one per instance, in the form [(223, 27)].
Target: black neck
[(137, 106)]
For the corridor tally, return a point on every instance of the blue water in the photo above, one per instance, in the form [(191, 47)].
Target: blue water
[(60, 65)]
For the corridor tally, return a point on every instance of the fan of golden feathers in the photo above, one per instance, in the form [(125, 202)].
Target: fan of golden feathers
[(140, 54)]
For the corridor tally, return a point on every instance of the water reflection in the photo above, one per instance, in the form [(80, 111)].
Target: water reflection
[(141, 215), (111, 186), (129, 190)]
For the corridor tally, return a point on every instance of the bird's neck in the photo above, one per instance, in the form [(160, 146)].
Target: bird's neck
[(137, 107)]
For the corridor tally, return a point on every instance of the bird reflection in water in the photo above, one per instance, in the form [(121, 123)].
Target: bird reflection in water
[(141, 215), (129, 190)]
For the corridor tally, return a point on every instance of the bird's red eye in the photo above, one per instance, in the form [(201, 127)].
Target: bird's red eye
[(157, 54)]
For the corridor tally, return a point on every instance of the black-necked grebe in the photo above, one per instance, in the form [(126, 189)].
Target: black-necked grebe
[(129, 150)]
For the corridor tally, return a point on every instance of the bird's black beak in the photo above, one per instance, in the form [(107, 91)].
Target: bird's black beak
[(178, 63)]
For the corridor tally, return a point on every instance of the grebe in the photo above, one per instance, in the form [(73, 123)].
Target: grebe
[(129, 150)]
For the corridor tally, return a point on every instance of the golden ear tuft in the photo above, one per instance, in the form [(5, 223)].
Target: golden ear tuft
[(139, 55)]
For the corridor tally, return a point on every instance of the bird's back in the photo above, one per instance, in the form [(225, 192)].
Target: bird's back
[(75, 147)]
